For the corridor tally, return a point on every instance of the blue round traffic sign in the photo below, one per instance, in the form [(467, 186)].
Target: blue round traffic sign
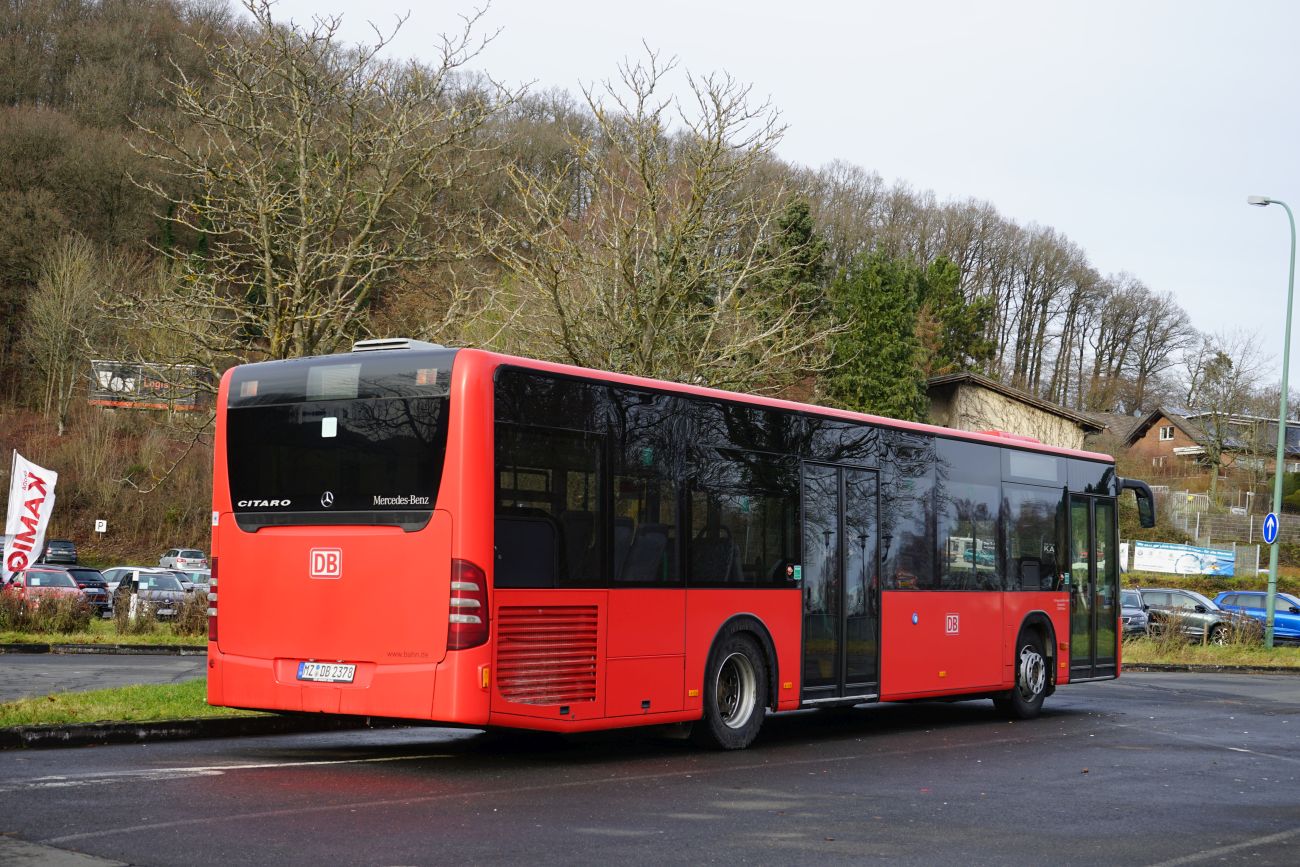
[(1270, 528)]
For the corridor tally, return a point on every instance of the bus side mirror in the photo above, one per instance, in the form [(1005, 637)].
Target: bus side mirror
[(1146, 501)]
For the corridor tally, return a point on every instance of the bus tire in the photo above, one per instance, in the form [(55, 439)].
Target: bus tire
[(1025, 699), (735, 695)]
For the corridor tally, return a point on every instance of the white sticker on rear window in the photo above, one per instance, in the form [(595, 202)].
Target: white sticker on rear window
[(329, 427)]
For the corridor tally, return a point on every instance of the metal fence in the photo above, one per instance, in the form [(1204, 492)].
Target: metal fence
[(1190, 513)]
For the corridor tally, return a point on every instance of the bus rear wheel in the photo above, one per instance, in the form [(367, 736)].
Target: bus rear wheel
[(1025, 699), (735, 695)]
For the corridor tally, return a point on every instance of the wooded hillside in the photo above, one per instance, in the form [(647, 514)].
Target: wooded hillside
[(192, 183)]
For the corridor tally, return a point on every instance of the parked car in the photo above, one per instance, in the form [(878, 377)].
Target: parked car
[(194, 579), (1195, 615), (91, 583), (1133, 614), (60, 551), (157, 586), (113, 576), (41, 582), (183, 558), (1286, 610)]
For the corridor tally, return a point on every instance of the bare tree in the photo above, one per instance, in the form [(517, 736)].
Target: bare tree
[(314, 174), (658, 261), (60, 316), (1229, 376)]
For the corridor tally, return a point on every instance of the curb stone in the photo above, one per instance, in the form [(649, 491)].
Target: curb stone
[(88, 734), (123, 649), (1207, 669)]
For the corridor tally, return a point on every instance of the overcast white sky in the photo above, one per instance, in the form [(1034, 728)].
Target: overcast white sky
[(1136, 128)]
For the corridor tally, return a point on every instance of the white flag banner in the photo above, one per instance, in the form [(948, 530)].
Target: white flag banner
[(31, 502)]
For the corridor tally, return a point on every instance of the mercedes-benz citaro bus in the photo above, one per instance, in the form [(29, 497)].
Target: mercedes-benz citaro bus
[(457, 536)]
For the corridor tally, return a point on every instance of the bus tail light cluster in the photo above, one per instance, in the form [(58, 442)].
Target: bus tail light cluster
[(212, 602), (467, 618)]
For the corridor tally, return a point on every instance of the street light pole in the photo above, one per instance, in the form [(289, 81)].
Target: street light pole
[(1271, 608)]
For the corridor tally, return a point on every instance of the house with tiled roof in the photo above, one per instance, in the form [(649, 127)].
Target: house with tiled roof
[(1179, 443)]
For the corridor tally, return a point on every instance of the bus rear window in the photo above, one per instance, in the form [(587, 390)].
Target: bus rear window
[(338, 440)]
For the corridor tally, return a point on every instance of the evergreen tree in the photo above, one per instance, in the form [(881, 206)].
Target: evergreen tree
[(876, 362), (952, 330)]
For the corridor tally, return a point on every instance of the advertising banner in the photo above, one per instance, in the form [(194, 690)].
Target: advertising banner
[(31, 502), (1182, 559), (130, 385)]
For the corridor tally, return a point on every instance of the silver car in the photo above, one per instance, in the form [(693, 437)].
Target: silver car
[(183, 559), (1196, 616), (1133, 614)]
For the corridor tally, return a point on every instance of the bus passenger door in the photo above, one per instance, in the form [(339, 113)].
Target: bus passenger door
[(1094, 588), (841, 591)]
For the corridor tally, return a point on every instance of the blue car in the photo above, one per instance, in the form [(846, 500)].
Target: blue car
[(1286, 614)]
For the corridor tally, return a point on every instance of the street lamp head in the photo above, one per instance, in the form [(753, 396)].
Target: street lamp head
[(1258, 200)]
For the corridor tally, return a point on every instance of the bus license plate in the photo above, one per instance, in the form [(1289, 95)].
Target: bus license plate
[(326, 672)]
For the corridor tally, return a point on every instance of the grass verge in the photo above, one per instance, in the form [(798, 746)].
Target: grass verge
[(1163, 651), (104, 632), (186, 700)]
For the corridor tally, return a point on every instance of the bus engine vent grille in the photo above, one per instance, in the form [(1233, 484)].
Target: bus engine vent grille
[(547, 654)]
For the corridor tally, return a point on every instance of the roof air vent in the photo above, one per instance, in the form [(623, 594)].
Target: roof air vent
[(393, 343)]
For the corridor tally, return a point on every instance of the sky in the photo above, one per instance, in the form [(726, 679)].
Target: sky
[(1137, 128)]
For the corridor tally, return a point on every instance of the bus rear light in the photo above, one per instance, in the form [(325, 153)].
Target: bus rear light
[(467, 617), (212, 602)]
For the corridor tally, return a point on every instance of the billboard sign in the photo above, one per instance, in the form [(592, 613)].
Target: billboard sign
[(133, 385), (1182, 559)]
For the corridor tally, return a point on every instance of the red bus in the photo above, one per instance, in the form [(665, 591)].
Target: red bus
[(458, 536)]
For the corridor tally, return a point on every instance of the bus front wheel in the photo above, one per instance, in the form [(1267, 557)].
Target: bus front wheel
[(735, 695), (1025, 699)]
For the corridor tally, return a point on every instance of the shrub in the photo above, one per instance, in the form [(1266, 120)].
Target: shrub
[(192, 618), (13, 612), (144, 622), (62, 614)]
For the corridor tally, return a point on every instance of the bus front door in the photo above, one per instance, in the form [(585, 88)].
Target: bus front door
[(841, 590), (1094, 588)]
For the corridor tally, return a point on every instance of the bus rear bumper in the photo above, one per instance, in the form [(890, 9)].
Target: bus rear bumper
[(378, 689)]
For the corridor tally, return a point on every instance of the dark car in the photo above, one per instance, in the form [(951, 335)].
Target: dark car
[(1286, 610), (1133, 614), (1195, 615), (92, 584), (60, 551), (159, 587)]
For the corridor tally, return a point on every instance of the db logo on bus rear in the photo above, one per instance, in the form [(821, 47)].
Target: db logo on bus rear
[(326, 562)]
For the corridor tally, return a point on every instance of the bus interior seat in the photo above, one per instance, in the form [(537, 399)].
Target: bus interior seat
[(579, 551), (715, 559), (645, 559), (1030, 571), (623, 533), (527, 549)]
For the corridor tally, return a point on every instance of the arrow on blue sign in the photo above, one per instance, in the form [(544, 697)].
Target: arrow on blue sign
[(1270, 528)]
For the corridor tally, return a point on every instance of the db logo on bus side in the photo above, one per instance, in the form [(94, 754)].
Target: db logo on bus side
[(327, 562)]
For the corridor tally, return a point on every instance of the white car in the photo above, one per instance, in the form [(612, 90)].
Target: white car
[(184, 559)]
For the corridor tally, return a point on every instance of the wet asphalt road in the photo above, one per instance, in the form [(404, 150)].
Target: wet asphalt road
[(23, 675), (1153, 769)]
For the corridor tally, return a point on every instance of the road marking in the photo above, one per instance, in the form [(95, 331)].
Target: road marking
[(1228, 850), (164, 774)]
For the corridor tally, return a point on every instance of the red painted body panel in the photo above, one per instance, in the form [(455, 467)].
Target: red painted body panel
[(648, 649), (936, 656)]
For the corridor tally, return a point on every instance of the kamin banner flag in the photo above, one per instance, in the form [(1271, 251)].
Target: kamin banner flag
[(31, 502)]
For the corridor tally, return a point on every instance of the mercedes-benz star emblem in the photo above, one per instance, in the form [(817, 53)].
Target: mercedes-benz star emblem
[(327, 499)]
